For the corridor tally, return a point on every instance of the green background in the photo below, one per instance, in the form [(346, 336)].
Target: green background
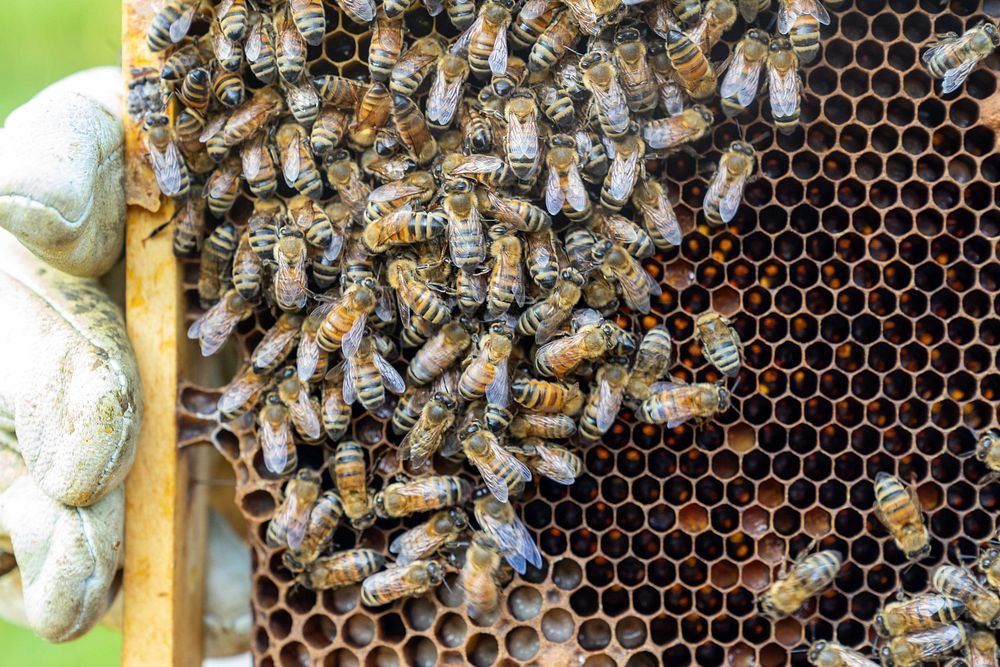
[(44, 40)]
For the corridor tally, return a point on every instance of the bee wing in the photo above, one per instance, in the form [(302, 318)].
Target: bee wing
[(383, 304), (522, 137), (498, 57), (637, 288), (291, 164), (576, 193), (552, 318), (168, 167), (255, 42), (392, 191), (253, 160), (609, 402), (738, 76), (390, 376), (954, 77), (498, 390), (532, 9), (290, 42), (682, 408), (557, 469), (213, 328), (442, 101), (289, 280), (479, 164), (622, 174), (352, 340), (434, 7), (307, 357), (273, 345), (239, 391), (468, 230), (303, 415), (296, 520), (947, 46), (514, 540), (274, 443), (179, 28), (349, 393), (462, 43), (664, 220), (729, 203), (554, 195), (784, 87)]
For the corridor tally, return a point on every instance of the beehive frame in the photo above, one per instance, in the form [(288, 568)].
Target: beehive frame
[(863, 275)]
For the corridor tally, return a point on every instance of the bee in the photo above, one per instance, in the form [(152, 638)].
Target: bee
[(401, 581), (195, 91), (500, 470), (440, 352), (486, 373), (228, 53), (540, 425), (800, 19), (555, 40), (719, 342), (303, 409), (619, 267), (623, 173), (486, 169), (417, 332), (927, 646), (345, 176), (651, 363), (544, 396), (899, 511), (277, 344), (688, 12), (303, 101), (323, 520), (486, 38), (386, 45), (718, 16), (479, 576), (749, 9), (297, 165), (418, 186), (470, 291), (650, 199), (784, 84), (498, 520), (476, 129), (531, 21), (260, 51), (422, 494), (240, 396), (409, 408), (989, 556), (258, 166), (171, 24), (601, 79), (386, 169), (255, 113), (371, 115), (564, 185), (641, 93), (328, 131), (228, 88), (809, 575), (414, 295), (288, 527), (506, 283), (335, 411), (346, 320), (693, 71), (219, 250), (386, 141), (290, 278), (424, 540), (368, 374), (605, 400), (670, 93), (540, 256), (982, 604), (522, 143), (340, 92), (291, 50), (395, 8), (550, 460), (446, 90), (739, 85), (410, 70), (505, 84), (165, 158), (233, 18), (262, 228), (981, 651), (921, 612), (674, 403), (274, 431), (465, 231), (832, 654), (309, 20), (413, 130), (952, 58), (724, 193), (351, 478), (426, 436), (342, 569), (560, 357), (667, 134), (461, 13), (519, 214), (311, 219), (189, 226), (557, 106)]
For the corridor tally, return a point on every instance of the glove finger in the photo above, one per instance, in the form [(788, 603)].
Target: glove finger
[(100, 84), (67, 557), (68, 379), (61, 171)]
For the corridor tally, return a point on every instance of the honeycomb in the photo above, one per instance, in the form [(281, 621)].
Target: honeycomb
[(862, 274)]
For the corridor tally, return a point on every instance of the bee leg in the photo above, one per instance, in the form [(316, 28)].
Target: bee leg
[(158, 229), (991, 477), (805, 552)]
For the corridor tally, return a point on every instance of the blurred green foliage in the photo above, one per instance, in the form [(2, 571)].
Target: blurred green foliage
[(43, 41)]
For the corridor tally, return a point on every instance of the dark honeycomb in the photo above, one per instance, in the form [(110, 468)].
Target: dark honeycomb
[(862, 275)]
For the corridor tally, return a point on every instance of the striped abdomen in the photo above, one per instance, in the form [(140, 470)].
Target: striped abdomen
[(476, 377)]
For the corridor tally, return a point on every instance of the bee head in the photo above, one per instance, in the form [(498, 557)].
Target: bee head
[(705, 113), (886, 656), (458, 518), (627, 35), (815, 650), (471, 429), (724, 400), (991, 30), (601, 249), (573, 276), (435, 572), (339, 154), (920, 553)]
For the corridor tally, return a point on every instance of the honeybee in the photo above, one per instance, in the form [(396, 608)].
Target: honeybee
[(637, 79), (223, 186), (739, 85), (531, 21), (541, 258), (228, 88), (415, 64), (502, 473), (241, 394), (564, 184), (920, 612), (367, 374), (465, 232), (328, 130), (479, 575), (927, 646), (461, 13), (650, 199), (423, 494), (557, 38), (262, 227), (549, 459), (228, 53), (623, 173), (424, 540), (725, 192), (955, 56), (255, 113), (303, 409), (346, 320), (667, 134), (351, 478), (171, 24), (809, 575), (601, 79), (719, 342), (506, 283), (344, 176), (673, 403), (499, 521), (522, 143), (291, 49), (303, 101), (260, 51), (165, 158), (288, 526), (718, 16), (342, 569), (276, 344), (544, 318), (503, 85), (651, 363), (619, 267), (557, 106), (692, 69), (323, 520), (371, 115), (413, 129), (981, 651), (560, 357), (340, 92), (217, 324), (545, 396), (258, 166), (605, 400), (189, 226), (486, 39), (540, 425), (832, 654), (477, 130), (899, 511), (195, 90), (784, 84), (426, 436), (982, 604), (670, 93), (335, 411), (800, 19), (290, 278), (989, 556), (414, 295), (470, 291), (486, 374), (386, 45), (274, 430), (386, 169), (440, 352), (401, 581), (446, 90), (297, 165)]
